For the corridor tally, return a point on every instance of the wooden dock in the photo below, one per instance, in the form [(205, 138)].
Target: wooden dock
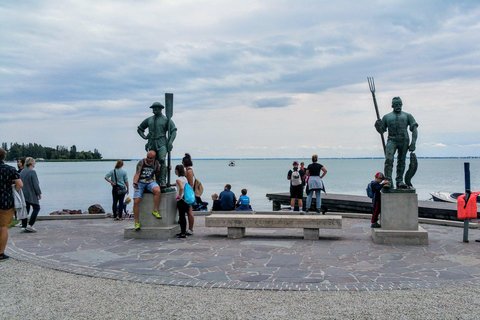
[(362, 204)]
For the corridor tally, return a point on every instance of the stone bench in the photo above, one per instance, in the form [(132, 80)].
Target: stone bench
[(237, 222)]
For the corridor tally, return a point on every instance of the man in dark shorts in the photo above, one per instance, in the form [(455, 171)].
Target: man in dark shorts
[(8, 176), (147, 170), (296, 177)]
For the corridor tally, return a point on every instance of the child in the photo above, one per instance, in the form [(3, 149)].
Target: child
[(127, 213), (243, 202), (217, 205), (376, 186)]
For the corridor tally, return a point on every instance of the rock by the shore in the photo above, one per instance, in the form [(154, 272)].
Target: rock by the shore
[(65, 211), (95, 209)]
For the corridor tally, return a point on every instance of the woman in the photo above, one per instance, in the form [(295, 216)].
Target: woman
[(315, 182), (187, 163), (182, 206), (31, 192), (20, 164), (119, 180)]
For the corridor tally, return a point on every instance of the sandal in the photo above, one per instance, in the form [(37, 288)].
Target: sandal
[(116, 219)]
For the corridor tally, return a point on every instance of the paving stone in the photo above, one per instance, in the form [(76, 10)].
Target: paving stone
[(344, 259)]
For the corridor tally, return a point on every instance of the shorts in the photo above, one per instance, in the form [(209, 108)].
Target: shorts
[(138, 193), (296, 192), (6, 217)]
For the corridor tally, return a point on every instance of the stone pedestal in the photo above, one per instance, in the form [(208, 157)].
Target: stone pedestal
[(399, 220), (151, 227)]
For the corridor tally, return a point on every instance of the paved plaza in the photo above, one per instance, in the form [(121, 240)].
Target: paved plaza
[(266, 259)]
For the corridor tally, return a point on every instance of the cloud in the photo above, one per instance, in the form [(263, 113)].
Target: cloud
[(241, 73)]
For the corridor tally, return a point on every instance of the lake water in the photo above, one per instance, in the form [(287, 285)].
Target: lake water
[(77, 185)]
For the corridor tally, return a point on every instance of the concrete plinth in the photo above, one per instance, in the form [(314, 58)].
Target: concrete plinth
[(399, 220), (151, 227)]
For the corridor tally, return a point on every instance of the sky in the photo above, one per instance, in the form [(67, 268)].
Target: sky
[(251, 79)]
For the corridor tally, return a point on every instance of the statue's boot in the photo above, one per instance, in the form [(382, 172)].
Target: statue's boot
[(402, 185)]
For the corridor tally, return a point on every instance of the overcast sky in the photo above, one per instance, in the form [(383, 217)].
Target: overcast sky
[(250, 78)]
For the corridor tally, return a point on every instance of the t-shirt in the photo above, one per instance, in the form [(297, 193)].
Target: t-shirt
[(217, 205), (121, 176), (184, 181), (314, 169), (227, 199), (7, 176), (147, 175), (244, 203)]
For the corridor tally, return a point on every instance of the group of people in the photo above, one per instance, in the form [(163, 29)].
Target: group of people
[(145, 178), (309, 178), (19, 192), (228, 202)]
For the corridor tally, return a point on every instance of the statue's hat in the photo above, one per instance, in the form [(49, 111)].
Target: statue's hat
[(157, 104)]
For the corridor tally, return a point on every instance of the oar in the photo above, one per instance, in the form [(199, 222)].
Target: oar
[(169, 115), (371, 84)]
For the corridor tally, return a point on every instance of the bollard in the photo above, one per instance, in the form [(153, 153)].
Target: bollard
[(466, 167)]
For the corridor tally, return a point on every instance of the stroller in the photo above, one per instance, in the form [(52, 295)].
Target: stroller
[(200, 205)]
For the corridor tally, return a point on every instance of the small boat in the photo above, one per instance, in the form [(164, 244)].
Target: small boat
[(231, 163), (447, 196)]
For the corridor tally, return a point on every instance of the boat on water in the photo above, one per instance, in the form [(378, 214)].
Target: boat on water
[(231, 163), (442, 196)]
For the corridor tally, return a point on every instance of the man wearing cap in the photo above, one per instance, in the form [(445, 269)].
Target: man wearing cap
[(296, 178), (376, 186), (397, 123), (158, 125)]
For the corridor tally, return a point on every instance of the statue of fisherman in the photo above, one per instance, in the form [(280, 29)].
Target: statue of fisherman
[(158, 125), (397, 123)]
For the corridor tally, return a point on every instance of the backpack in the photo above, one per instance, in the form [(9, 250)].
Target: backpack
[(370, 191), (296, 178), (188, 194), (198, 188)]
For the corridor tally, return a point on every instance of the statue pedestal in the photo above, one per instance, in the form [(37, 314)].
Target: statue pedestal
[(151, 227), (399, 220)]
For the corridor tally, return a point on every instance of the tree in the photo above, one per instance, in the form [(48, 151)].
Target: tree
[(73, 152)]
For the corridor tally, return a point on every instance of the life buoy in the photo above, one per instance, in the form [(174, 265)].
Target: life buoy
[(468, 210)]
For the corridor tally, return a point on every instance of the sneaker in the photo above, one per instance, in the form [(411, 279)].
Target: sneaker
[(23, 230), (189, 232), (376, 225), (137, 226), (3, 257), (317, 210), (307, 211), (29, 228), (181, 236), (19, 224), (157, 215)]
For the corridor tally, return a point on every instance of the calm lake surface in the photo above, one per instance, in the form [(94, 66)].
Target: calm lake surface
[(77, 185)]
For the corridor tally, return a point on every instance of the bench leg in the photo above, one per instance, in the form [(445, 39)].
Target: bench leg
[(311, 234), (235, 233)]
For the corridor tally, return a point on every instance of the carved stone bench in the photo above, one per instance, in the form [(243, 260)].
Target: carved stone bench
[(236, 223)]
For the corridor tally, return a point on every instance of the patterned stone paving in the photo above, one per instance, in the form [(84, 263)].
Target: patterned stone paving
[(266, 259)]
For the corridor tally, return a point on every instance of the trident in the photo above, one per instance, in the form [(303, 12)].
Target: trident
[(371, 84)]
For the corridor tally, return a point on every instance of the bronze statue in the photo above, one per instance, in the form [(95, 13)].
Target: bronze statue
[(158, 126), (397, 123)]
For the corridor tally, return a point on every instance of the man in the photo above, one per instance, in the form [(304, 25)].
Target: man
[(296, 178), (144, 178), (158, 125), (227, 198), (397, 123), (8, 176)]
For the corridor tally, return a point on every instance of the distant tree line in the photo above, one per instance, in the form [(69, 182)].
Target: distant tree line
[(36, 151)]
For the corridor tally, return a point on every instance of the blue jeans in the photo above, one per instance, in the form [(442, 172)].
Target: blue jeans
[(318, 199)]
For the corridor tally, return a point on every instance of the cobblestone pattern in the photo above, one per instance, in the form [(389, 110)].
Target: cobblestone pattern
[(266, 259)]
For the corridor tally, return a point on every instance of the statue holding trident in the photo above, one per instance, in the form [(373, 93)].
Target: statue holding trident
[(159, 126), (397, 122)]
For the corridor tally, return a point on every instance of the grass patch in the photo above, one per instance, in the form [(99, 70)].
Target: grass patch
[(14, 223)]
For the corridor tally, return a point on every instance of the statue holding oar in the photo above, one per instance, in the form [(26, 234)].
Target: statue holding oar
[(397, 124), (161, 134)]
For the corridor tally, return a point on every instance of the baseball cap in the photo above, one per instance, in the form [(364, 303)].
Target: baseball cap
[(379, 175), (295, 163)]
